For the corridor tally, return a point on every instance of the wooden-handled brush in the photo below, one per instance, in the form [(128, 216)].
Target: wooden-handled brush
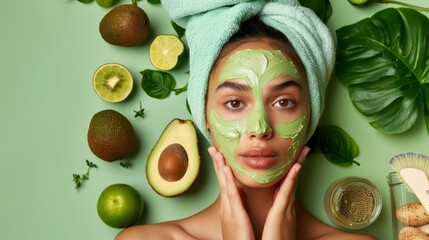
[(414, 171)]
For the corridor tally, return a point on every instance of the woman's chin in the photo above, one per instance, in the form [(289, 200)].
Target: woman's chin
[(255, 181)]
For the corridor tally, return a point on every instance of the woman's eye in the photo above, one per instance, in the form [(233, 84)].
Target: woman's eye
[(234, 104), (284, 103)]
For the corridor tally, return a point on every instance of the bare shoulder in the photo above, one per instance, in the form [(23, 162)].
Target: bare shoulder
[(165, 230), (203, 225)]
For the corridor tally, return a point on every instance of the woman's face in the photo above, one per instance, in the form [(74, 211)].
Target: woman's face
[(258, 110)]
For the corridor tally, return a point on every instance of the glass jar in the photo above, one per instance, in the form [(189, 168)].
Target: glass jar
[(399, 195), (353, 202)]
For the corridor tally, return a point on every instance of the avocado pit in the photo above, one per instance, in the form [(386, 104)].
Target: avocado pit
[(173, 162)]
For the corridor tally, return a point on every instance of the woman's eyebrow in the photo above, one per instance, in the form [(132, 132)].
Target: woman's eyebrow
[(285, 84), (234, 85)]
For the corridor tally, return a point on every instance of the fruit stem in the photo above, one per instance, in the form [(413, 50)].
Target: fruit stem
[(418, 8), (134, 2)]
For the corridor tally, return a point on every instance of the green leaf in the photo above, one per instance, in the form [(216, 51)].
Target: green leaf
[(336, 145), (322, 8), (384, 62), (157, 84), (179, 30), (426, 106), (154, 1)]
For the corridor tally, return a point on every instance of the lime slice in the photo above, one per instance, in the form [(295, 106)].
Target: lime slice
[(106, 3), (358, 2), (165, 50), (112, 82)]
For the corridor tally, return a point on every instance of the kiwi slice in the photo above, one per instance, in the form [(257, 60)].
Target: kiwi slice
[(112, 82)]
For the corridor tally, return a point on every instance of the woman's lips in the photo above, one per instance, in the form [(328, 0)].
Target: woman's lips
[(259, 158)]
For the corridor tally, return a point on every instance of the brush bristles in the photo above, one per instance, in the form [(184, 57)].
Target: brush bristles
[(410, 160)]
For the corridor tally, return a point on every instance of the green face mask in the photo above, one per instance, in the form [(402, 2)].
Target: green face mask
[(257, 68)]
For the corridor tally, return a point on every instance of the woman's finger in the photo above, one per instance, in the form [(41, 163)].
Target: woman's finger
[(219, 165), (215, 157), (232, 190), (285, 196)]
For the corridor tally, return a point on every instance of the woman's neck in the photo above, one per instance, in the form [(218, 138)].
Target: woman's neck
[(258, 202)]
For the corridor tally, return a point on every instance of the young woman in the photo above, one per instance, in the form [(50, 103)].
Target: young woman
[(258, 114)]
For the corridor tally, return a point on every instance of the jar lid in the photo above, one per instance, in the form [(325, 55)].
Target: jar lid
[(353, 202)]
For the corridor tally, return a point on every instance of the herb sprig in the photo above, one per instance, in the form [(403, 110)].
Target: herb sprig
[(78, 179), (140, 112), (125, 164)]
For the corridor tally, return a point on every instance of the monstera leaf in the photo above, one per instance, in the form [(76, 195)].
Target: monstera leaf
[(384, 61)]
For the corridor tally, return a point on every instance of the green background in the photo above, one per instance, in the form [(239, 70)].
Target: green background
[(48, 53)]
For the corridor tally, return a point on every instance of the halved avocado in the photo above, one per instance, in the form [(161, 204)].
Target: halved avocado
[(174, 162)]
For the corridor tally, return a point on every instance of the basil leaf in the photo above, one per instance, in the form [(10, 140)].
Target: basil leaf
[(157, 84), (336, 145), (384, 62)]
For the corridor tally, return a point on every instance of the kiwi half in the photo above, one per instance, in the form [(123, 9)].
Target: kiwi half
[(112, 82)]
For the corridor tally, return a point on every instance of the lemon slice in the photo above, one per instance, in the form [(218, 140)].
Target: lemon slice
[(165, 50), (112, 82)]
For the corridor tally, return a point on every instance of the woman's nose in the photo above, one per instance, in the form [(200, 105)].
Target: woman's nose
[(262, 135), (259, 125)]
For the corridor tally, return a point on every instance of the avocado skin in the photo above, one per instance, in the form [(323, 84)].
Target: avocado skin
[(111, 136), (126, 25)]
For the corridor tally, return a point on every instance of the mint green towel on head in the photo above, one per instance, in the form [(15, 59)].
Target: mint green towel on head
[(210, 24)]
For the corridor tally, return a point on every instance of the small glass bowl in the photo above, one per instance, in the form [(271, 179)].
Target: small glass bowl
[(353, 202)]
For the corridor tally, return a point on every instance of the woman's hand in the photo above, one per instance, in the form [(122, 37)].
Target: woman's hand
[(281, 221), (235, 221)]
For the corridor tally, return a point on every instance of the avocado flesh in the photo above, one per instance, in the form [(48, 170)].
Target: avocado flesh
[(181, 132)]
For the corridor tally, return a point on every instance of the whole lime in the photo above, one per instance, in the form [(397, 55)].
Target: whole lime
[(119, 205)]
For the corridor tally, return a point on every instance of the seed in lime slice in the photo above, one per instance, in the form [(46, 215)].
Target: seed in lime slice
[(112, 82), (165, 50)]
